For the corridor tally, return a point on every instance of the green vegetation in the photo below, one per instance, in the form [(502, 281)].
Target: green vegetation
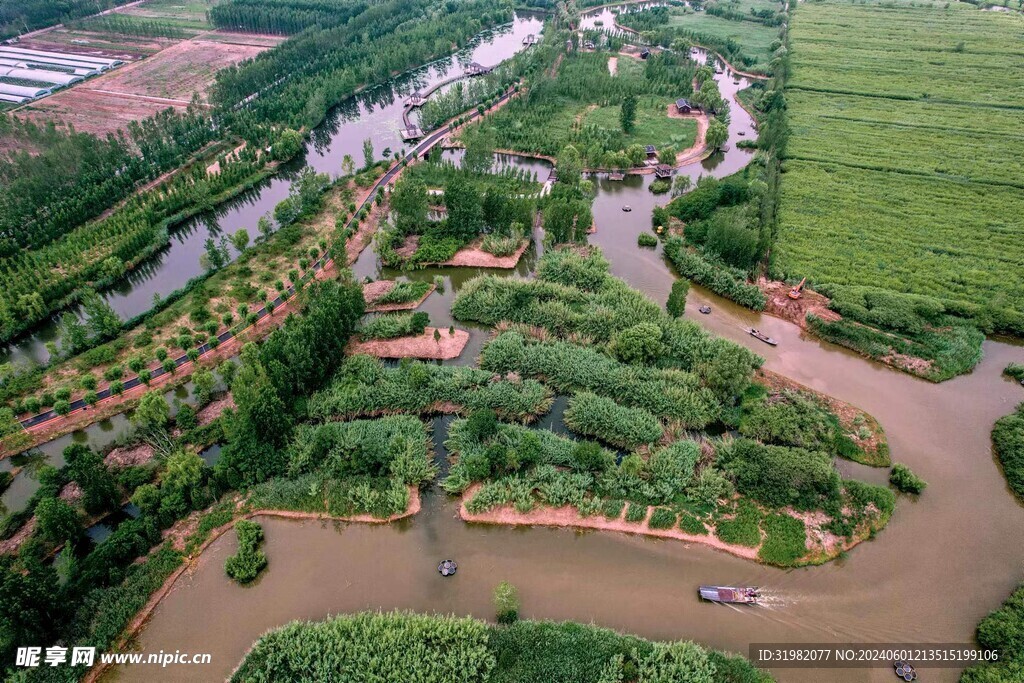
[(716, 276), (646, 239), (363, 386), (746, 32), (245, 565), (906, 481), (1002, 630), (743, 527), (794, 418), (892, 203), (392, 326), (404, 292), (1008, 441), (476, 201), (1015, 370), (629, 428), (506, 603), (409, 647), (785, 540), (676, 303), (581, 106)]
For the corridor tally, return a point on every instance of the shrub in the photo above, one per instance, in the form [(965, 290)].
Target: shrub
[(1008, 440), (743, 528), (62, 407), (605, 419), (636, 512), (393, 326), (692, 525), (906, 481), (646, 239), (404, 292), (785, 540), (88, 382), (715, 277), (662, 518), (640, 344), (245, 565), (1015, 370), (676, 304), (779, 476), (612, 508), (506, 603), (185, 419)]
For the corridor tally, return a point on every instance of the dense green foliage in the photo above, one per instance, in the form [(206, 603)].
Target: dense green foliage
[(1002, 630), (384, 647), (282, 16), (912, 161), (676, 303), (246, 564), (605, 419), (1015, 370), (906, 481), (408, 647), (363, 386), (675, 394), (404, 292), (785, 540), (269, 389), (715, 276), (506, 603), (780, 476), (392, 326), (29, 15), (1008, 440), (580, 106)]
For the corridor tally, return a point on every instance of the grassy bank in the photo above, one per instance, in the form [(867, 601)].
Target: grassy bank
[(1008, 443), (404, 646)]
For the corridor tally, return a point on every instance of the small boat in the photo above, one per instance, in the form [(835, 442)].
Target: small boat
[(447, 567), (705, 310), (741, 132), (763, 337), (743, 595), (905, 670), (627, 208)]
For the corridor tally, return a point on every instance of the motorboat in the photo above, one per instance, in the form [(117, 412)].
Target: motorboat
[(705, 309), (741, 595), (758, 334)]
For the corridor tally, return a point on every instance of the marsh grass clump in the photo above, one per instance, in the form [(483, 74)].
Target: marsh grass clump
[(906, 481), (245, 565)]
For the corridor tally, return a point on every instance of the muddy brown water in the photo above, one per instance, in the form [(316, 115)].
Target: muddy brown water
[(941, 564)]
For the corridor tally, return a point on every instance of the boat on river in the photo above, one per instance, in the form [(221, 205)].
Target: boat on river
[(705, 310), (758, 334), (742, 595), (627, 208)]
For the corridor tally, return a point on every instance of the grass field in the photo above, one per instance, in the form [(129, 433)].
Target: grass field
[(904, 165), (753, 38), (653, 126)]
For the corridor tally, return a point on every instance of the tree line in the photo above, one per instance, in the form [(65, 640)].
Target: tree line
[(282, 17), (27, 15)]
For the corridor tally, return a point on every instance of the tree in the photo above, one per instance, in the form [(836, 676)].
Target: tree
[(265, 227), (103, 322), (569, 165), (73, 334), (348, 165), (240, 239), (367, 153), (627, 113), (465, 208), (639, 344), (479, 156), (717, 134), (676, 303), (410, 203), (86, 468), (288, 144), (57, 520), (203, 383), (152, 413)]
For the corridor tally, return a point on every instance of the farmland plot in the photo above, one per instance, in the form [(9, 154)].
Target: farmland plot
[(904, 166)]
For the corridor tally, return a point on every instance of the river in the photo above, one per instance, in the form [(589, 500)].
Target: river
[(941, 564)]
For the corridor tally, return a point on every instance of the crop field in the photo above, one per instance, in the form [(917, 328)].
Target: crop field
[(904, 164), (107, 103)]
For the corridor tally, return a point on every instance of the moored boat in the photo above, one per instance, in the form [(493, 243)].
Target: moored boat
[(705, 309), (744, 595), (754, 332)]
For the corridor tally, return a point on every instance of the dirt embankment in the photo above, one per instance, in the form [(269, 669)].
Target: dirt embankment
[(445, 345), (374, 291)]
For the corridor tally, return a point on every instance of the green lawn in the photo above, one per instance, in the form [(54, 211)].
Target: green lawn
[(653, 126)]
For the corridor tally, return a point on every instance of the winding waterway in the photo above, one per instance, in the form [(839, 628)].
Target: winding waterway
[(943, 561)]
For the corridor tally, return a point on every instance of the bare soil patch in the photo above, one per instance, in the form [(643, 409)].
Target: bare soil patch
[(613, 65), (795, 311), (423, 346), (372, 291), (128, 456), (473, 256)]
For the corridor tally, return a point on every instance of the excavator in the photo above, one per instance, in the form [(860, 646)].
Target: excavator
[(798, 290)]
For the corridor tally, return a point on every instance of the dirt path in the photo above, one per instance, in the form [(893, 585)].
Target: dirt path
[(699, 148), (613, 66)]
